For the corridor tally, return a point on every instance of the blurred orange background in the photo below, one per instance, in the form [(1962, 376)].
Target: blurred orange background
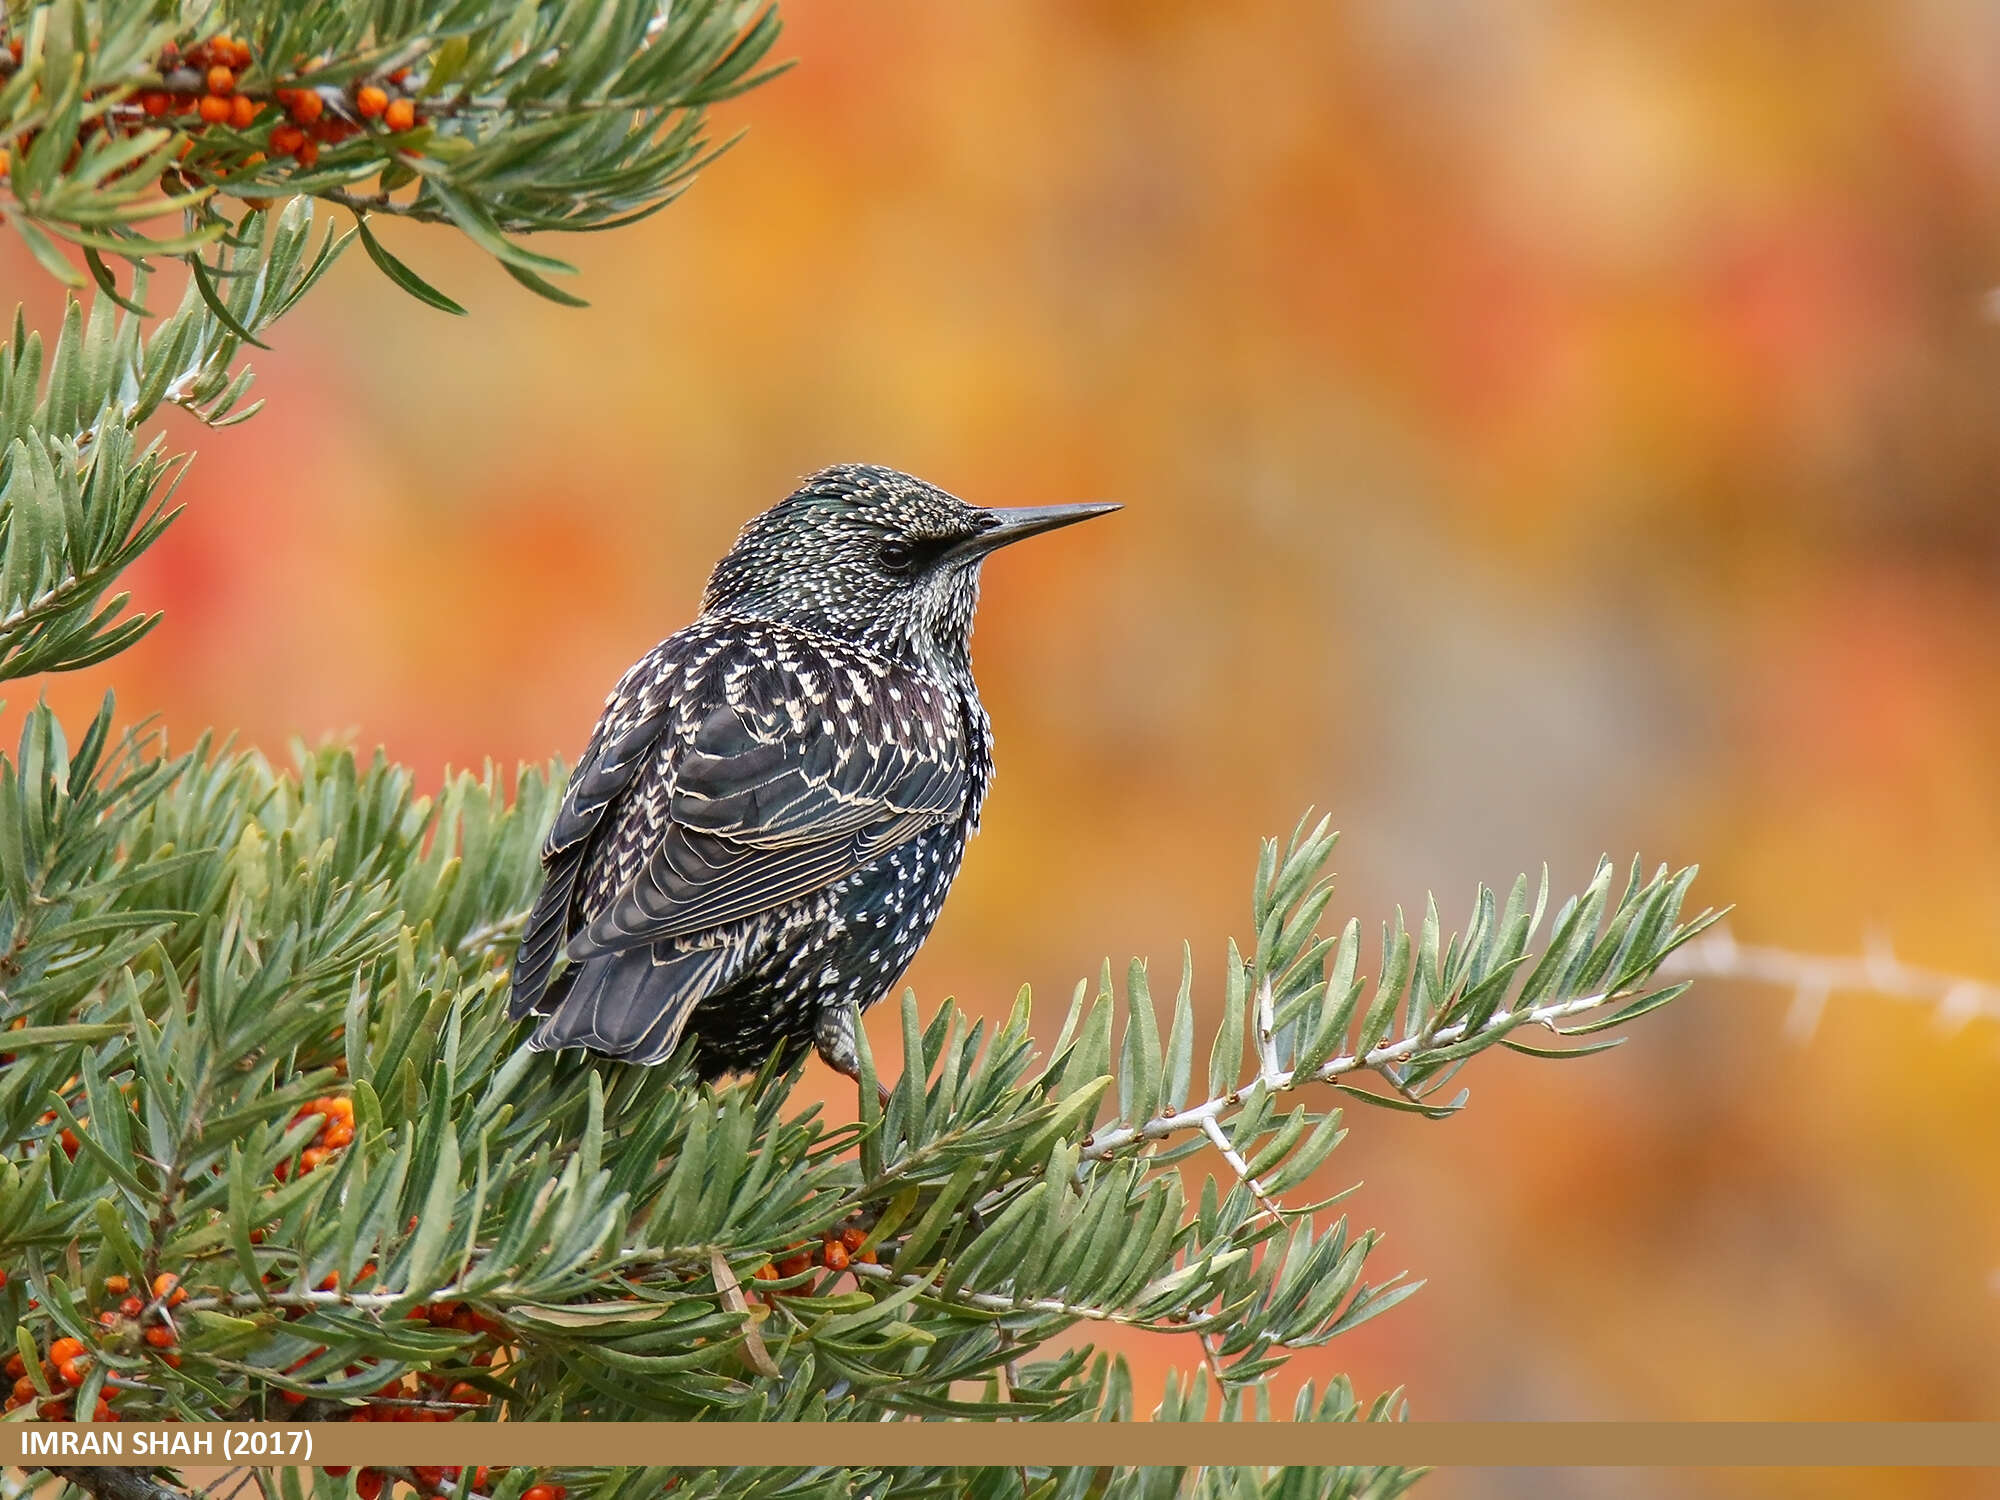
[(1544, 430)]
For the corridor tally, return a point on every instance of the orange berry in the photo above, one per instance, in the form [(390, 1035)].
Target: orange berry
[(370, 101), (117, 1286), (467, 1395), (214, 109), (308, 154), (168, 1285), (15, 1369), (63, 1349), (243, 111), (539, 1492), (465, 1320), (400, 115), (312, 1157), (24, 1389), (220, 80), (70, 1143), (287, 139), (72, 1371), (103, 1412), (293, 1398), (173, 1362), (766, 1272), (338, 1471), (256, 1236), (155, 102), (428, 1478), (107, 1320), (131, 1307), (330, 1281), (368, 1484), (853, 1237), (306, 106), (835, 1257), (160, 1337), (866, 1257)]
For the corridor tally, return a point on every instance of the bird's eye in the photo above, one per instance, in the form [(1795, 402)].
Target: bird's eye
[(897, 557)]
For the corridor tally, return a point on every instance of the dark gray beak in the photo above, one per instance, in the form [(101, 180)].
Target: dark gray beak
[(1000, 527)]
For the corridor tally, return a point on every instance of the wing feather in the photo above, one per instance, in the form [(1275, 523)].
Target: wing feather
[(732, 773), (772, 799)]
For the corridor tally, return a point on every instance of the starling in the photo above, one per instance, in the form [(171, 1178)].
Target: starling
[(775, 800)]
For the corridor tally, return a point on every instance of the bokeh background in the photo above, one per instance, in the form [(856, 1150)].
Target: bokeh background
[(1544, 430)]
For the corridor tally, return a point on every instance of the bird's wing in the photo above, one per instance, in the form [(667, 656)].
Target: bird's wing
[(620, 747), (810, 762)]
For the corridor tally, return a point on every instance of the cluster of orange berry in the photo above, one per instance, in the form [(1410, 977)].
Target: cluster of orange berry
[(431, 1396), (63, 1369), (836, 1251), (369, 1483), (336, 1114), (203, 81), (135, 1321), (207, 80)]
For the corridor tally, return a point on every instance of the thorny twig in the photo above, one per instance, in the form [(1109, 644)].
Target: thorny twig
[(1955, 999), (1274, 1080)]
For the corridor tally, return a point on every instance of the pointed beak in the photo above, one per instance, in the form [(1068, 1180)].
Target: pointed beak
[(1000, 527)]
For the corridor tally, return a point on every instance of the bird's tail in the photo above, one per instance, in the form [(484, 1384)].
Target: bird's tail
[(632, 1005)]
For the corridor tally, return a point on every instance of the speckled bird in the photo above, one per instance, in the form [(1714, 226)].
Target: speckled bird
[(776, 799)]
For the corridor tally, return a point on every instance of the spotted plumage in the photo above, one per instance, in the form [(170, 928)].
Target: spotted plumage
[(763, 827)]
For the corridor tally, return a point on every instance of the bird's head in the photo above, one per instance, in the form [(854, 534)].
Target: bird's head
[(876, 556)]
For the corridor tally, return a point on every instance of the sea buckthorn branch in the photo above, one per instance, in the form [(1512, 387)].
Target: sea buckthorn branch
[(496, 118), (81, 493), (385, 1211), (1300, 998), (1008, 1201)]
